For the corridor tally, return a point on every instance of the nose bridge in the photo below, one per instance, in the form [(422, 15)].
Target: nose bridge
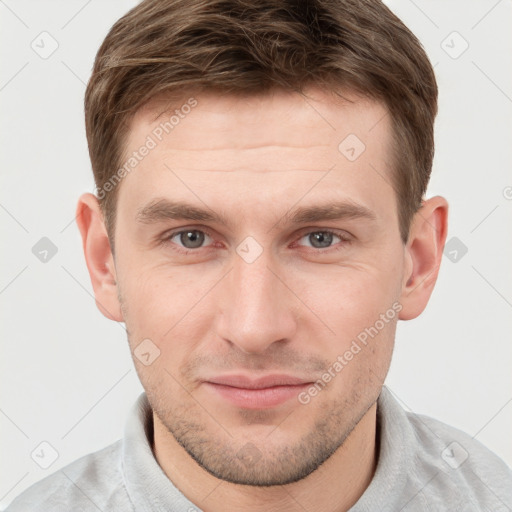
[(253, 284), (256, 310)]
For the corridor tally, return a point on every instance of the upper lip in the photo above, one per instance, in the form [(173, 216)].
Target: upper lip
[(268, 381)]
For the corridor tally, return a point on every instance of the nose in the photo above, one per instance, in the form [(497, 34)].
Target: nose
[(256, 309)]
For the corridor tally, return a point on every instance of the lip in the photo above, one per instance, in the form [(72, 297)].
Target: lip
[(260, 393)]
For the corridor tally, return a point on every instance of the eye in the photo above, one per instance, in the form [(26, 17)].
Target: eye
[(189, 238), (323, 239)]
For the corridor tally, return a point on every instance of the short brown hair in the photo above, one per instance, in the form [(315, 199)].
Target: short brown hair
[(251, 47)]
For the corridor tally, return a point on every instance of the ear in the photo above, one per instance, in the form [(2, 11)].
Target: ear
[(98, 256), (423, 254)]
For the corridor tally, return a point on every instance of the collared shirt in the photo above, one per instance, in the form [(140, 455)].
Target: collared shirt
[(423, 465)]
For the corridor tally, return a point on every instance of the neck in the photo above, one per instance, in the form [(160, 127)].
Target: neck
[(335, 486)]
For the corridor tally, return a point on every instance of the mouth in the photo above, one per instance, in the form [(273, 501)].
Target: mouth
[(261, 393)]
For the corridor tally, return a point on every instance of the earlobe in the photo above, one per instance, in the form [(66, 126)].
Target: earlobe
[(98, 256), (424, 251)]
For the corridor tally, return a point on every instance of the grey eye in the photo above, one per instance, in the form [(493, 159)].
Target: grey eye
[(320, 239), (191, 239)]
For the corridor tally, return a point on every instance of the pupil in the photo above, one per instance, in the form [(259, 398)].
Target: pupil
[(192, 239), (320, 239)]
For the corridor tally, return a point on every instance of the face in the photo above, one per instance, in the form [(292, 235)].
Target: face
[(258, 253)]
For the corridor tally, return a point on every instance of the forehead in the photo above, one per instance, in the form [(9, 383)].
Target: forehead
[(223, 149), (316, 117)]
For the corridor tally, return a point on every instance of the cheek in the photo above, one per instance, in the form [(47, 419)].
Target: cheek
[(350, 299), (164, 304), (360, 306)]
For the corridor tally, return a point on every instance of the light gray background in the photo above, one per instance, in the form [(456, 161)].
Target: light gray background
[(66, 373)]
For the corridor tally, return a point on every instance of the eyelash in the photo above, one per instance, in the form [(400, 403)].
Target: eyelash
[(342, 235)]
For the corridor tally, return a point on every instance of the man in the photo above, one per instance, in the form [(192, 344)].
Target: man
[(260, 226)]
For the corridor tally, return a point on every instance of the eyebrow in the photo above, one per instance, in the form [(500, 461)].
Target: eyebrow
[(162, 209)]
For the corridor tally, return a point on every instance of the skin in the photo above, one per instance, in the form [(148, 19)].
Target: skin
[(292, 311)]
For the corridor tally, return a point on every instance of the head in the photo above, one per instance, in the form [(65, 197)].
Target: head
[(261, 171)]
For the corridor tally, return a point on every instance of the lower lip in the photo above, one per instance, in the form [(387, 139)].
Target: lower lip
[(257, 398)]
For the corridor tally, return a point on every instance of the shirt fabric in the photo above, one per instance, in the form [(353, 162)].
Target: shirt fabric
[(423, 465)]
